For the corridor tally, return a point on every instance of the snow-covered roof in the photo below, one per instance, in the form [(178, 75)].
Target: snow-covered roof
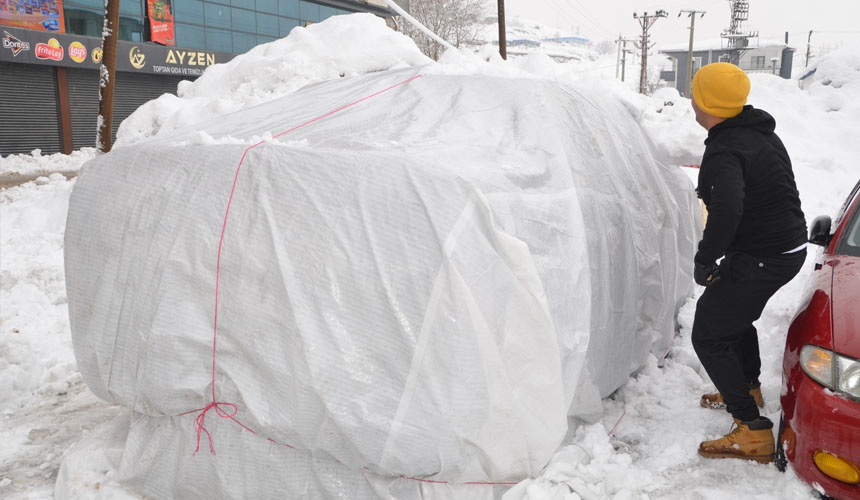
[(719, 44)]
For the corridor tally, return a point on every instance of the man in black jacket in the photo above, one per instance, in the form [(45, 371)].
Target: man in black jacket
[(755, 221)]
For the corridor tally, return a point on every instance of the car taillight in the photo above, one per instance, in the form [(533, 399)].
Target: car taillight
[(832, 370)]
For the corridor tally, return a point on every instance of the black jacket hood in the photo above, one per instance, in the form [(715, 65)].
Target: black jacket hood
[(749, 118)]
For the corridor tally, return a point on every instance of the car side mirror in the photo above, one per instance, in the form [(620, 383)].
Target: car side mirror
[(819, 233)]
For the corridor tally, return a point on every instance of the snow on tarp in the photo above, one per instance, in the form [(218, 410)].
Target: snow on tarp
[(421, 285)]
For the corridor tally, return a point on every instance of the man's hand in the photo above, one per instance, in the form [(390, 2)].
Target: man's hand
[(706, 275)]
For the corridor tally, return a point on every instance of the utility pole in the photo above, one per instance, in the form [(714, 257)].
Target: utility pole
[(503, 42), (624, 53), (646, 22), (808, 48), (692, 14), (108, 72)]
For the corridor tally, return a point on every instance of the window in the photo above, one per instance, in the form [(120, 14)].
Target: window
[(131, 7), (84, 22), (188, 11), (131, 29), (267, 24), (289, 8), (327, 12), (270, 6), (193, 37), (219, 40), (244, 20), (245, 4), (309, 11), (850, 244), (217, 16), (287, 25), (697, 64), (243, 42), (758, 62)]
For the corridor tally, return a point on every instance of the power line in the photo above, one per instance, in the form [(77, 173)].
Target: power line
[(576, 14), (582, 10)]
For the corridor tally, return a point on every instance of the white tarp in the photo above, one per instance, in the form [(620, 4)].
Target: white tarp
[(424, 284)]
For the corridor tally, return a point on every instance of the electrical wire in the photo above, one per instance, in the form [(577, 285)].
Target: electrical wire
[(563, 10)]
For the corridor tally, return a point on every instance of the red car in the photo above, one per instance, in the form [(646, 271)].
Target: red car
[(819, 432)]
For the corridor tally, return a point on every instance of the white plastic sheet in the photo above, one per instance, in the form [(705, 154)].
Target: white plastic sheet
[(424, 284)]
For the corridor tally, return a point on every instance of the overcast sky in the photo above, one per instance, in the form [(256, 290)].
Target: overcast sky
[(832, 21)]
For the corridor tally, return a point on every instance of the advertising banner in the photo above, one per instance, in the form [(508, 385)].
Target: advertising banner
[(35, 47), (160, 22), (42, 15)]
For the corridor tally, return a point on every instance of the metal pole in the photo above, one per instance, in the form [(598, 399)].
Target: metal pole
[(503, 42), (618, 57), (624, 62), (808, 48), (108, 72), (688, 87), (690, 56), (643, 73)]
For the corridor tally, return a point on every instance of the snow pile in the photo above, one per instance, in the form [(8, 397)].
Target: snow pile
[(340, 47), (36, 163), (839, 68), (34, 336)]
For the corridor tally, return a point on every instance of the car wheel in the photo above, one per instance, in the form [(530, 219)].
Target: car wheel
[(781, 461)]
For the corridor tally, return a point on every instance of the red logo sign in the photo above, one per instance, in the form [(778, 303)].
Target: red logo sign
[(77, 52), (51, 50)]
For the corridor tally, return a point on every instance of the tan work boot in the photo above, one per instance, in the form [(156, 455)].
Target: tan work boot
[(715, 400), (749, 441)]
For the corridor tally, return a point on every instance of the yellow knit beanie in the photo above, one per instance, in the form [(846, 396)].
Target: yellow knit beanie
[(721, 89)]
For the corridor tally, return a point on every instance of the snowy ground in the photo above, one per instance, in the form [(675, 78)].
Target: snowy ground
[(645, 445)]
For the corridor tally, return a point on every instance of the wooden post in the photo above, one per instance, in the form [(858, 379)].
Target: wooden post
[(65, 110), (503, 42), (107, 76)]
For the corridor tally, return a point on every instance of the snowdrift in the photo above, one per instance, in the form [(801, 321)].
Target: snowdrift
[(419, 281)]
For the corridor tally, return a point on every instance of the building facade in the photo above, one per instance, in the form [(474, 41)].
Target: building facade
[(773, 58), (51, 54)]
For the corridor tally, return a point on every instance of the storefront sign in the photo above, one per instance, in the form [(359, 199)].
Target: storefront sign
[(13, 44), (160, 22), (136, 58), (36, 47), (77, 52), (42, 15), (51, 50)]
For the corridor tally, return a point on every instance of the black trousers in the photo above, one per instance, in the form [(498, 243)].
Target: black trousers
[(723, 333)]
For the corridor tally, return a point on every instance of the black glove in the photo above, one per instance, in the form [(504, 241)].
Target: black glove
[(706, 275)]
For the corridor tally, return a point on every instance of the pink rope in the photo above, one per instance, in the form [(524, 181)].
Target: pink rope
[(200, 420), (619, 421)]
